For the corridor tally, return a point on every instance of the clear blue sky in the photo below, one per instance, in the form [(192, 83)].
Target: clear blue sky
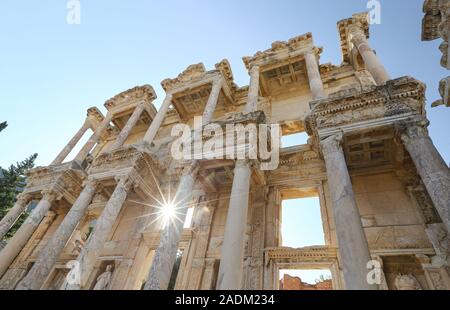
[(51, 72)]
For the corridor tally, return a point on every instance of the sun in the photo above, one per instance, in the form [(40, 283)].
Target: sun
[(168, 212)]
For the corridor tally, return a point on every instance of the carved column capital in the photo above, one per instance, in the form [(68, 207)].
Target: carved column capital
[(254, 70), (413, 130), (241, 163), (128, 181), (90, 182), (23, 198), (51, 195), (190, 168), (332, 144)]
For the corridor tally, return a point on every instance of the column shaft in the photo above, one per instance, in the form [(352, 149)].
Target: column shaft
[(232, 253), (352, 241), (315, 81), (21, 237), (11, 217), (253, 90), (164, 259), (431, 167), (132, 121), (72, 143), (210, 107), (375, 67), (102, 230), (53, 249), (81, 156), (158, 120)]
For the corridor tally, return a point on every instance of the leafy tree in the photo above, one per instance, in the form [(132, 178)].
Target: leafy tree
[(12, 182), (3, 125)]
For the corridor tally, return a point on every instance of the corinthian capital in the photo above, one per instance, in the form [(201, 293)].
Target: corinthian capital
[(332, 144), (23, 198), (51, 195), (410, 131)]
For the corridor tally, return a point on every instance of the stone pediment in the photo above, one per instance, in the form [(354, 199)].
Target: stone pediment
[(131, 96), (125, 158), (402, 96), (281, 49), (193, 72), (64, 179)]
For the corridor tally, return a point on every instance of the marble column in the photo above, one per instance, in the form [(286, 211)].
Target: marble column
[(374, 65), (232, 253), (315, 81), (353, 247), (431, 167), (210, 107), (84, 152), (72, 143), (165, 255), (253, 90), (164, 259), (16, 211), (158, 120), (132, 121), (21, 237), (52, 251), (92, 250)]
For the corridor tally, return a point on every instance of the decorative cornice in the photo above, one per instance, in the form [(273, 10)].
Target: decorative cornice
[(360, 21), (193, 72), (278, 47), (400, 96), (304, 255), (144, 93)]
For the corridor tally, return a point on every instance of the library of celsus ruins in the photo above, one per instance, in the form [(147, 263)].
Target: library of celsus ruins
[(125, 215)]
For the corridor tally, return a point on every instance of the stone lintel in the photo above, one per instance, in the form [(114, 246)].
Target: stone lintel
[(350, 109), (131, 97), (282, 50)]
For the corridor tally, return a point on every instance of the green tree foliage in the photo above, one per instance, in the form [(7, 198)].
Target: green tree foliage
[(3, 125), (12, 182)]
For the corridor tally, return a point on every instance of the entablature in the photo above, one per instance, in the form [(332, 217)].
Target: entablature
[(192, 87), (123, 105), (352, 109), (66, 180)]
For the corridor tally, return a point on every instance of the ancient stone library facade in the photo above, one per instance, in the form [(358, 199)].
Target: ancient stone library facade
[(384, 189)]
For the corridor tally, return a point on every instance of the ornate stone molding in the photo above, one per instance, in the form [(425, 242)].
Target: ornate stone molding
[(332, 144), (411, 130), (63, 179), (279, 48), (193, 72), (402, 96), (303, 255), (144, 93), (435, 20), (123, 158), (357, 22), (444, 91)]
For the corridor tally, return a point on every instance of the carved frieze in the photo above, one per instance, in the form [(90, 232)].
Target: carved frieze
[(281, 50), (134, 95), (401, 96)]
